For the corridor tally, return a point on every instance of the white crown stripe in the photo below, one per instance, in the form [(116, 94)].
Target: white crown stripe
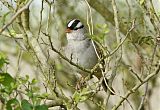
[(79, 25), (71, 22)]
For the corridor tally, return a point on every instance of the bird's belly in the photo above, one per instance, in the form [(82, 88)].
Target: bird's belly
[(85, 58), (88, 60)]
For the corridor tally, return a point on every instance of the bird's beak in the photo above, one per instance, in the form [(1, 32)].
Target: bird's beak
[(68, 30)]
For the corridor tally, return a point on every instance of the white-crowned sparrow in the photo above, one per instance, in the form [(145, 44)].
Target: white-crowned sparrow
[(79, 48)]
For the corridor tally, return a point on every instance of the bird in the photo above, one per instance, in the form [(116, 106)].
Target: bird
[(79, 48)]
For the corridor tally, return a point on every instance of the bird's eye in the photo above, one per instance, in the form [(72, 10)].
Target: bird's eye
[(76, 28)]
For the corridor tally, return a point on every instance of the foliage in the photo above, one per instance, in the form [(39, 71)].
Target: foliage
[(11, 88), (125, 32)]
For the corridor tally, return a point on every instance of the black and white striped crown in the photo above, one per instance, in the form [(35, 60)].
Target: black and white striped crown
[(74, 24)]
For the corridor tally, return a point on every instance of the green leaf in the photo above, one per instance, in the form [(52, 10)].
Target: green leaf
[(76, 96), (97, 38), (58, 66), (82, 95), (3, 61), (34, 81), (141, 2), (23, 80), (44, 95), (5, 16), (29, 94), (145, 40), (6, 80), (13, 32), (27, 77), (26, 105), (41, 107), (102, 34), (35, 89), (85, 94), (103, 28), (13, 104)]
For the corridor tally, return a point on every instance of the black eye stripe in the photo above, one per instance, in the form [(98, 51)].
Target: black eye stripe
[(79, 27), (75, 23)]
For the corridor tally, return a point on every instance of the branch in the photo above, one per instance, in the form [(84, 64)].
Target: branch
[(65, 58), (154, 11), (120, 44), (54, 103), (15, 16), (115, 50), (5, 3), (143, 98), (136, 87), (108, 15), (136, 75), (102, 68), (116, 21)]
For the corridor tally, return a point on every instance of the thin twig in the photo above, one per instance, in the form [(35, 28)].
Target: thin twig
[(136, 87), (154, 12), (130, 104), (136, 75), (65, 58), (15, 16), (90, 13), (41, 16), (120, 44), (116, 21), (5, 3), (129, 10), (144, 97), (115, 50), (94, 46)]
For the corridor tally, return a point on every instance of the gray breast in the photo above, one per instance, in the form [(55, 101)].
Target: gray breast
[(82, 53)]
